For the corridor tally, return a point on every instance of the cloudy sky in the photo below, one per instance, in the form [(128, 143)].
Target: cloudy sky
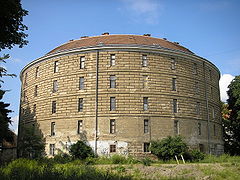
[(209, 28)]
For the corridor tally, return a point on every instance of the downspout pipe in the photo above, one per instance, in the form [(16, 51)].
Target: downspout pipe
[(96, 103), (207, 106)]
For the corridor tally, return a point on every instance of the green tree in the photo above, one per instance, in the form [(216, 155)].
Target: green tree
[(81, 150), (168, 147), (11, 34), (11, 27), (31, 145), (232, 124)]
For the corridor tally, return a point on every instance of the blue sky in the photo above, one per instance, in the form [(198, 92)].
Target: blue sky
[(209, 28)]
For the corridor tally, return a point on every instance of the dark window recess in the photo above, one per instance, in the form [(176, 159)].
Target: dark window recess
[(82, 62), (80, 104), (199, 128), (55, 86), (175, 106), (174, 88), (145, 103), (176, 127), (112, 148), (144, 61), (146, 125), (112, 103), (146, 147), (56, 63), (81, 83), (54, 107), (112, 126), (53, 128), (112, 81), (80, 126), (52, 149), (112, 60)]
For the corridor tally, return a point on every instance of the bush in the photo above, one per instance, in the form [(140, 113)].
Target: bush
[(118, 159), (81, 150), (146, 161), (62, 158), (167, 148), (196, 155)]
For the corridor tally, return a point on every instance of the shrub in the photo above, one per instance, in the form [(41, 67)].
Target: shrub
[(196, 155), (62, 158), (168, 147), (146, 161), (81, 150), (118, 159)]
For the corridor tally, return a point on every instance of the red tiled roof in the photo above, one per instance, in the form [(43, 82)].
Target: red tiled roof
[(119, 39)]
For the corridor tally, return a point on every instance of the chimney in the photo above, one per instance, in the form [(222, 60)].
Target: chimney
[(147, 35), (82, 37), (176, 42), (106, 33), (165, 39)]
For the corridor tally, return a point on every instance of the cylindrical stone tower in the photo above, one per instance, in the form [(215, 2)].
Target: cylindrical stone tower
[(119, 92)]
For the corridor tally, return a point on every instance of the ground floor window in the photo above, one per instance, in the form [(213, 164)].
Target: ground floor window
[(201, 147), (146, 147), (52, 149), (112, 148)]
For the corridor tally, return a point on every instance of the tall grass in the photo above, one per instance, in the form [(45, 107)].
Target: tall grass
[(22, 169), (225, 158)]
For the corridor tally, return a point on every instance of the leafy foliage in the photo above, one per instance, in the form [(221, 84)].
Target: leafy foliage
[(11, 27), (232, 124), (168, 147), (5, 133), (81, 150), (31, 144)]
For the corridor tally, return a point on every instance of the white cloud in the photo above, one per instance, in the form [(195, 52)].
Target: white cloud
[(16, 60), (144, 10), (14, 125), (215, 5), (225, 80)]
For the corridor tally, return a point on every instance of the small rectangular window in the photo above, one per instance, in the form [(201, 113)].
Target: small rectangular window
[(199, 129), (210, 74), (56, 63), (201, 147), (25, 79), (24, 96), (36, 91), (176, 127), (112, 60), (144, 61), (175, 108), (52, 149), (81, 83), (146, 126), (112, 126), (53, 128), (213, 113), (173, 63), (211, 92), (55, 86), (214, 130), (198, 108), (196, 87), (80, 104), (37, 73), (145, 103), (54, 107), (174, 84), (194, 68), (80, 126), (146, 147), (112, 81), (112, 103), (145, 81), (82, 62), (34, 109), (112, 148)]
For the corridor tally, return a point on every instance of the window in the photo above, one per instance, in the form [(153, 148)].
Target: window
[(175, 108), (213, 113), (174, 84), (112, 81), (173, 63), (34, 109), (176, 127), (146, 147), (80, 104), (24, 96), (112, 148), (211, 92), (145, 103), (144, 61), (55, 86), (37, 72), (82, 62), (199, 129), (112, 126), (36, 91), (195, 68), (201, 147), (54, 107), (53, 129), (198, 108), (112, 103), (145, 81), (80, 126), (197, 87), (112, 60), (214, 130), (56, 63), (210, 74), (146, 126), (81, 83), (52, 149)]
